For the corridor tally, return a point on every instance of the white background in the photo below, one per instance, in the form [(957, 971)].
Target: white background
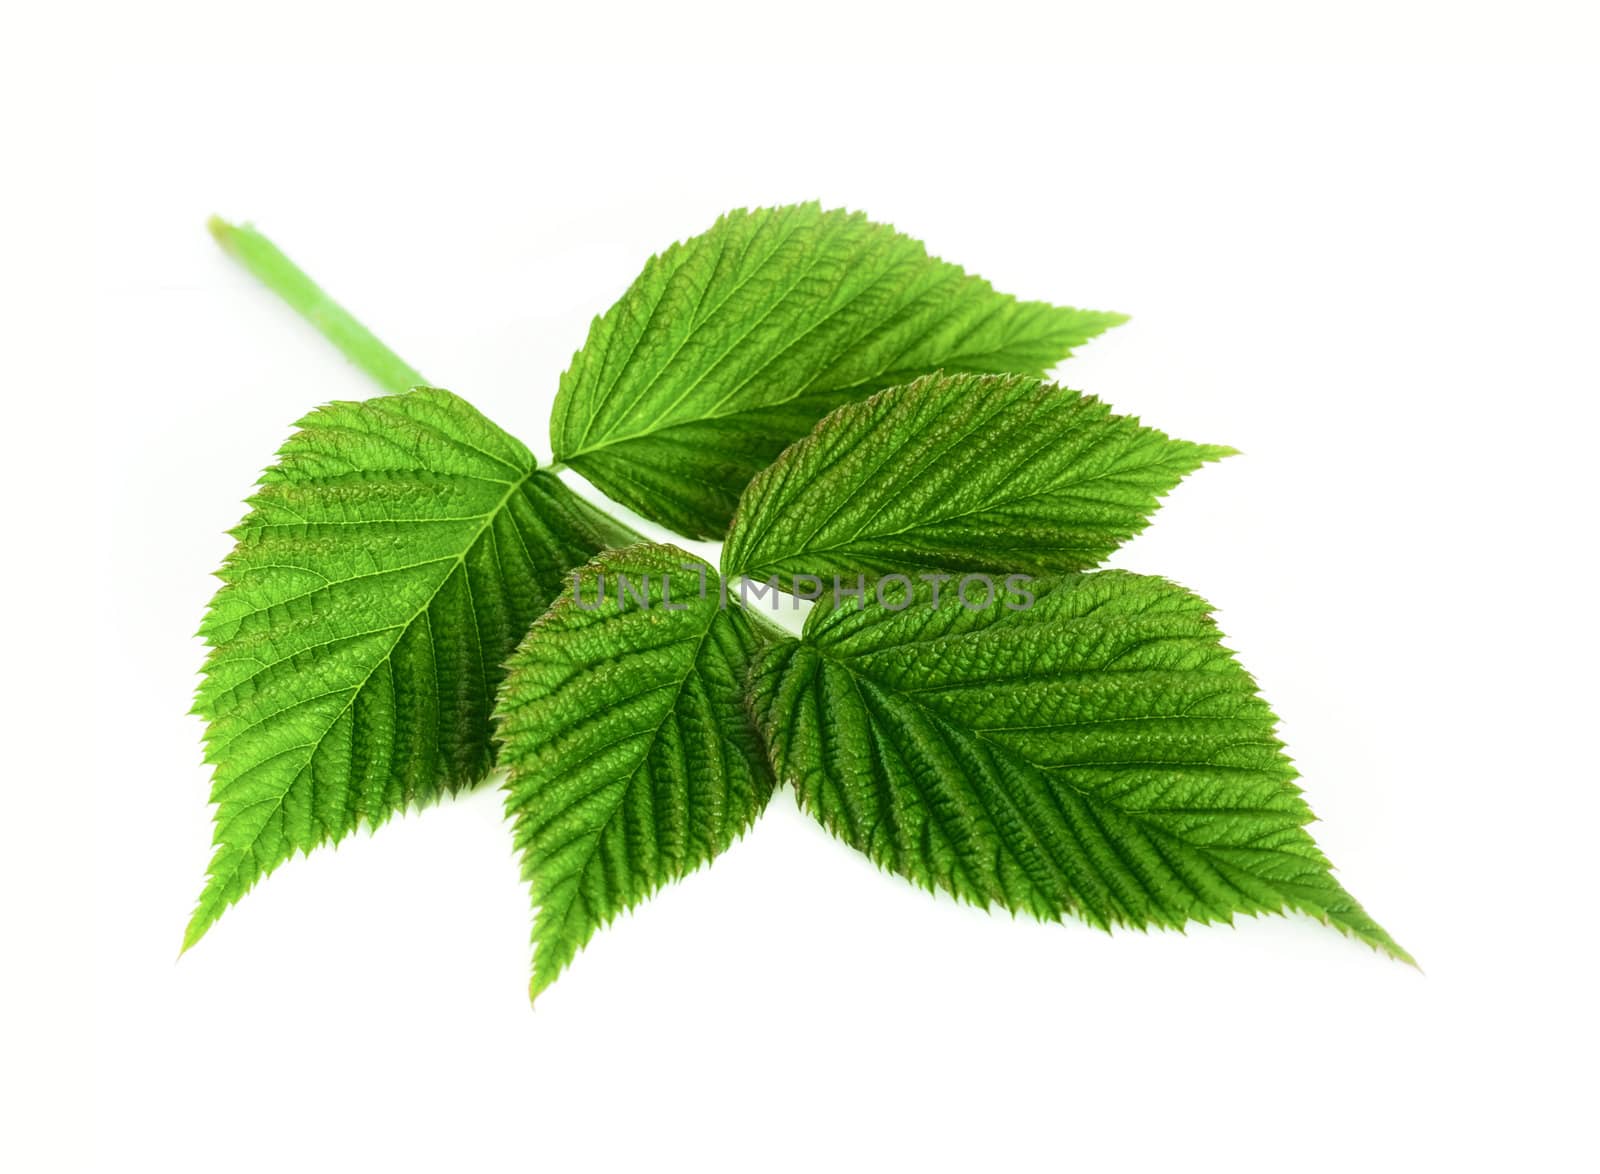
[(1358, 242)]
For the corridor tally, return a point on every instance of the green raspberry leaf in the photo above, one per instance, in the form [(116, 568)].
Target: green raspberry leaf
[(957, 473), (391, 560), (631, 757), (734, 343), (1099, 753)]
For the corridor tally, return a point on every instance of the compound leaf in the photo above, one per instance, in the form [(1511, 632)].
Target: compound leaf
[(390, 561), (734, 343), (958, 473), (631, 758), (1098, 753)]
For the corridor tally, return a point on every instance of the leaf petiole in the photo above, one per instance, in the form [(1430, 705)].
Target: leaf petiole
[(286, 279)]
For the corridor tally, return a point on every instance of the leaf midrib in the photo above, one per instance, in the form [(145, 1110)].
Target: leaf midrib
[(277, 802), (1052, 486), (1097, 807), (1090, 797), (804, 389), (653, 735), (688, 334)]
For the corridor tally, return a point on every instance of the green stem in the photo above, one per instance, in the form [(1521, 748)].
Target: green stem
[(286, 279)]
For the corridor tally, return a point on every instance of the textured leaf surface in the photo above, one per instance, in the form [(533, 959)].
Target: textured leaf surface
[(632, 759), (1100, 753), (391, 560), (734, 343), (956, 473)]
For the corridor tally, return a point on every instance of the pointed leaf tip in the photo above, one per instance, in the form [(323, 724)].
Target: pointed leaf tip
[(1107, 756), (733, 343), (1000, 474), (623, 778), (385, 571)]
